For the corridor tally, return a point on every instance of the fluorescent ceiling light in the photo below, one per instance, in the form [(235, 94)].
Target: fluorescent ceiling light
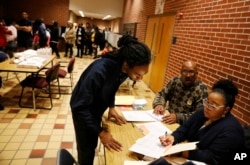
[(81, 13), (106, 17)]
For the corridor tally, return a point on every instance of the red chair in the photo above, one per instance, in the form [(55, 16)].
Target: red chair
[(62, 73), (41, 82)]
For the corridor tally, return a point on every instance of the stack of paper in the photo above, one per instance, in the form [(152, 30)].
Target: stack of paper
[(124, 100)]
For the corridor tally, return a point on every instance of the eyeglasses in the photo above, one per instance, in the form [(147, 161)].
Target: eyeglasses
[(190, 72), (210, 106)]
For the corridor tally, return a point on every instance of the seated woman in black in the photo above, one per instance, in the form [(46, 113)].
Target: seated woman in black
[(219, 133)]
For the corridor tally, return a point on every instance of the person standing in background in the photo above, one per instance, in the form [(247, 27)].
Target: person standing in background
[(80, 36), (11, 38), (88, 43), (3, 31), (70, 35), (24, 32), (54, 38)]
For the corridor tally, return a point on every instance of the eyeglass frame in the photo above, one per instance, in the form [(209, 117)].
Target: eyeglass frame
[(186, 72), (211, 107)]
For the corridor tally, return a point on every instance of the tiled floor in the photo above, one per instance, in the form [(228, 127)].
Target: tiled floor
[(33, 137)]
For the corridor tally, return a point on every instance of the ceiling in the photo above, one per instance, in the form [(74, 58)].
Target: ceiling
[(97, 8)]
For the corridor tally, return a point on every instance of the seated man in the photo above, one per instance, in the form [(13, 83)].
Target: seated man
[(3, 57), (184, 95)]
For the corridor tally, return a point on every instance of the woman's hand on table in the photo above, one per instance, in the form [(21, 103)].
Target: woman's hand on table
[(109, 142), (114, 116)]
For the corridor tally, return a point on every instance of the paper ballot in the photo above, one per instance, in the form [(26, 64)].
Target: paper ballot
[(141, 115), (150, 146)]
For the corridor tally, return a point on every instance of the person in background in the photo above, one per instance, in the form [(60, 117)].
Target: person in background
[(3, 31), (80, 37), (95, 92), (54, 38), (183, 94), (11, 38), (70, 35), (48, 37), (24, 32), (3, 57), (88, 42), (219, 134), (98, 40), (41, 33)]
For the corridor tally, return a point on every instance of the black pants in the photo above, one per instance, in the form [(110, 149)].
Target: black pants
[(79, 50), (86, 141), (54, 48), (68, 47)]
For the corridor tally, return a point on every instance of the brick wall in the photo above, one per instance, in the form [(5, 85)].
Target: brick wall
[(48, 9), (213, 33)]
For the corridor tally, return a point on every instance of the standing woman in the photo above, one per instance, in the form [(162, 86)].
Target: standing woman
[(54, 38), (95, 92), (219, 133), (70, 35)]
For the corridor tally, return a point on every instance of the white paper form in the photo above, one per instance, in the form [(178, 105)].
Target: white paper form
[(149, 145), (156, 128), (124, 100), (130, 162), (141, 115)]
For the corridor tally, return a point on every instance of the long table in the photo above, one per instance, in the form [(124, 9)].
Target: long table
[(7, 66), (127, 134)]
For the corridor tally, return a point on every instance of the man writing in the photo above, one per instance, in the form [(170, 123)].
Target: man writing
[(184, 94)]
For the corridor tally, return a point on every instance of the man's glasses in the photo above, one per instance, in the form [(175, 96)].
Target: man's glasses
[(210, 106), (190, 72)]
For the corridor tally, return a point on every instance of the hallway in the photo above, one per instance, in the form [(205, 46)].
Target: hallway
[(33, 137)]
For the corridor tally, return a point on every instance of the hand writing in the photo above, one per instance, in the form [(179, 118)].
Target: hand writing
[(166, 140)]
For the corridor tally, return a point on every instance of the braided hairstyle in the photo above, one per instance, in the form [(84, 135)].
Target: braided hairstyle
[(132, 51), (228, 89)]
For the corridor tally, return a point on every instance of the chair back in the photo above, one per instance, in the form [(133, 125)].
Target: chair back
[(65, 158), (71, 64), (52, 73)]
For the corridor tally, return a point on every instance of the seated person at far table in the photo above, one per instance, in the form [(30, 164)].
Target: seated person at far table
[(3, 57), (184, 94), (219, 134)]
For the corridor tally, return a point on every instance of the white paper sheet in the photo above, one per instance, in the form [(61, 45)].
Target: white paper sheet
[(130, 162), (124, 100), (141, 115), (156, 128), (150, 146)]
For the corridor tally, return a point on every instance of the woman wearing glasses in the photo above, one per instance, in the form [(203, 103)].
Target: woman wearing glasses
[(219, 133)]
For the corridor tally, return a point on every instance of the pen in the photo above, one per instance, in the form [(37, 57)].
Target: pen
[(165, 134)]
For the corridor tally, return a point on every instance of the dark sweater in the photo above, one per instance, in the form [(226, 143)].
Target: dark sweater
[(218, 142), (95, 91)]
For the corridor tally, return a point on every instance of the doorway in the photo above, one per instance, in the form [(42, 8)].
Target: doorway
[(158, 39)]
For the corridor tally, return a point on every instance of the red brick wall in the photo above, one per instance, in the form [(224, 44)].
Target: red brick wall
[(48, 9), (215, 34)]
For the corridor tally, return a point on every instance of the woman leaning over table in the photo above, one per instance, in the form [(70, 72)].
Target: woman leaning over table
[(95, 92), (219, 133)]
